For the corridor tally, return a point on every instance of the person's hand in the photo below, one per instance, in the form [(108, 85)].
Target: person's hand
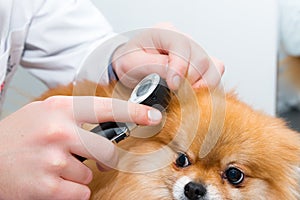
[(171, 54), (38, 143)]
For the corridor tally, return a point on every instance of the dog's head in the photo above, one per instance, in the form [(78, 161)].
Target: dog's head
[(255, 156), (212, 147)]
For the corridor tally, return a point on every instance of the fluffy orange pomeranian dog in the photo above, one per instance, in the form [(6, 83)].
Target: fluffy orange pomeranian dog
[(255, 156)]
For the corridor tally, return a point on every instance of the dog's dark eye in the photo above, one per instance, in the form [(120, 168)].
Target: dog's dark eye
[(234, 176), (182, 160)]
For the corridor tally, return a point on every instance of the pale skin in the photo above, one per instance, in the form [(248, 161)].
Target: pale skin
[(36, 156), (39, 140)]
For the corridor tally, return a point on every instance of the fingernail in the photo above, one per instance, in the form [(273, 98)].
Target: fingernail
[(176, 81), (154, 115)]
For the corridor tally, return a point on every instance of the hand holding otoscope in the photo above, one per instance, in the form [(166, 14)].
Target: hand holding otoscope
[(151, 91)]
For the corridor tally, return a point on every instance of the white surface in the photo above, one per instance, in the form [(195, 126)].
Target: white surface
[(243, 34)]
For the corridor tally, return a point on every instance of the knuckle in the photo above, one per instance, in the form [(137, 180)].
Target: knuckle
[(32, 107), (55, 131), (136, 112), (56, 103), (105, 103), (123, 58), (58, 162), (32, 104), (52, 188), (179, 67), (139, 114)]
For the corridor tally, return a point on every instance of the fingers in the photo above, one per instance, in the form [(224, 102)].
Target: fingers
[(179, 51), (76, 171), (95, 147), (99, 109), (92, 146), (176, 70), (153, 50), (189, 60), (93, 110), (53, 178), (145, 63), (219, 64), (212, 76), (64, 189), (87, 109), (186, 59), (201, 71), (76, 191)]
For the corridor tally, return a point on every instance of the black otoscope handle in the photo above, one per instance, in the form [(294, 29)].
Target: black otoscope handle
[(113, 131)]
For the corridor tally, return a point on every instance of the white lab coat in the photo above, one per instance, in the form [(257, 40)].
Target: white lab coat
[(289, 32), (289, 24), (48, 37)]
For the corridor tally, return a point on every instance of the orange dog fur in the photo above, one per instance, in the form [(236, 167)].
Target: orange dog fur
[(256, 156)]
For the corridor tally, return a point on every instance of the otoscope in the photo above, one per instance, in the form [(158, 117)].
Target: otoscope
[(151, 91)]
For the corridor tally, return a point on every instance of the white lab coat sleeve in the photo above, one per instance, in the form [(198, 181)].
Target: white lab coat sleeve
[(290, 26), (59, 37)]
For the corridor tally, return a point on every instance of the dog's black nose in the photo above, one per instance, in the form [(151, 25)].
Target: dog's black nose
[(194, 191)]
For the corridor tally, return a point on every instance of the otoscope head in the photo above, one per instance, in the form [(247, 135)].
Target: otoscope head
[(152, 91)]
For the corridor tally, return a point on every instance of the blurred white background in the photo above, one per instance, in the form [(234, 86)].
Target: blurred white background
[(243, 34)]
